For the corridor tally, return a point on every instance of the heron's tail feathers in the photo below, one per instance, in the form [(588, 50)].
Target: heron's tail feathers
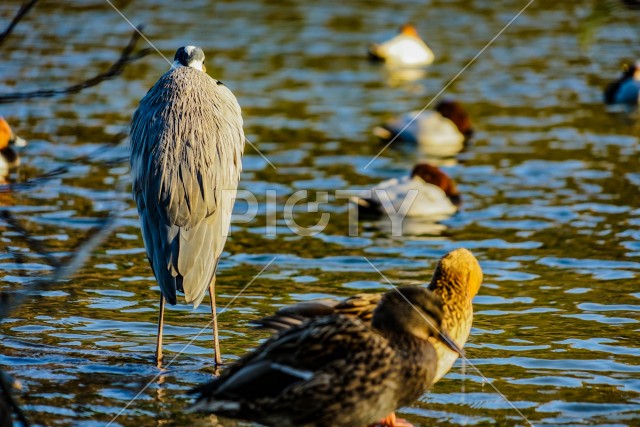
[(196, 295)]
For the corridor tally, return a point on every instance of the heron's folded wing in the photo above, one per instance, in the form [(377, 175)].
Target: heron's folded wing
[(187, 142)]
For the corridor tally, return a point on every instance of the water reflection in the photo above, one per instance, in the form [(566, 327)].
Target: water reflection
[(401, 76), (549, 183)]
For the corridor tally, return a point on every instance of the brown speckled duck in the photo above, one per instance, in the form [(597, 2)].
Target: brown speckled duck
[(456, 280), (336, 370)]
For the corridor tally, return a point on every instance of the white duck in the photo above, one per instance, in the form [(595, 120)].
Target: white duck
[(405, 49), (442, 131), (427, 192)]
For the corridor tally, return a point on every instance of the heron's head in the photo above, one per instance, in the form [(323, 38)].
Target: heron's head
[(189, 56)]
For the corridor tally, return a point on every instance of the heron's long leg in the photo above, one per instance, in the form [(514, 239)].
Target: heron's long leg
[(160, 327), (216, 343)]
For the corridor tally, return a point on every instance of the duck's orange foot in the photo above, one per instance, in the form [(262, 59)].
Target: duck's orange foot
[(393, 421)]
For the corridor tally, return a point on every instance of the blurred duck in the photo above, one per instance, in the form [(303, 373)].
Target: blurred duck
[(405, 49), (625, 90), (336, 370), (444, 129), (456, 280), (435, 192), (8, 157), (8, 405)]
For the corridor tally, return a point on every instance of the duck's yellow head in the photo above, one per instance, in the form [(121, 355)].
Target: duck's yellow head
[(459, 268)]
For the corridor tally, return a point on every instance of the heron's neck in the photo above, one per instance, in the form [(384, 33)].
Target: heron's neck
[(195, 65)]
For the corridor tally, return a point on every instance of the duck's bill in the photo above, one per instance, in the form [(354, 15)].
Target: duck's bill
[(446, 339), (19, 142)]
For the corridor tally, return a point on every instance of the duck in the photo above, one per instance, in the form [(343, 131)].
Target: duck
[(456, 279), (405, 49), (626, 89), (9, 159), (336, 370), (9, 409), (442, 130), (436, 195)]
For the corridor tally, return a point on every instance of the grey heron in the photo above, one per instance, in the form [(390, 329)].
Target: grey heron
[(186, 152)]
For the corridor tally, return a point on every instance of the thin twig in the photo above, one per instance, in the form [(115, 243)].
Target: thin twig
[(26, 185), (33, 244), (30, 183), (24, 9), (62, 269), (126, 57)]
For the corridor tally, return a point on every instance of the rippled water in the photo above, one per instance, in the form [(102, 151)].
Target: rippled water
[(550, 188)]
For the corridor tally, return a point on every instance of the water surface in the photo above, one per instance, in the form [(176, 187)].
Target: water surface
[(549, 183)]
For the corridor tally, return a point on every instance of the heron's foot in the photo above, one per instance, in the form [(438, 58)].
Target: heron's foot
[(393, 421), (217, 359)]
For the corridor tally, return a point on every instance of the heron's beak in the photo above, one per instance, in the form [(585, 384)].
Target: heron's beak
[(18, 142), (204, 69)]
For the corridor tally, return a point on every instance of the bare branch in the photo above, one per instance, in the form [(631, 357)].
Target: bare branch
[(24, 9), (87, 158), (34, 244), (126, 57), (18, 186), (62, 269)]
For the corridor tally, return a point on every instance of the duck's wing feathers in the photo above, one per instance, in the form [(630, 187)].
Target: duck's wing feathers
[(299, 372), (403, 128), (360, 306)]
